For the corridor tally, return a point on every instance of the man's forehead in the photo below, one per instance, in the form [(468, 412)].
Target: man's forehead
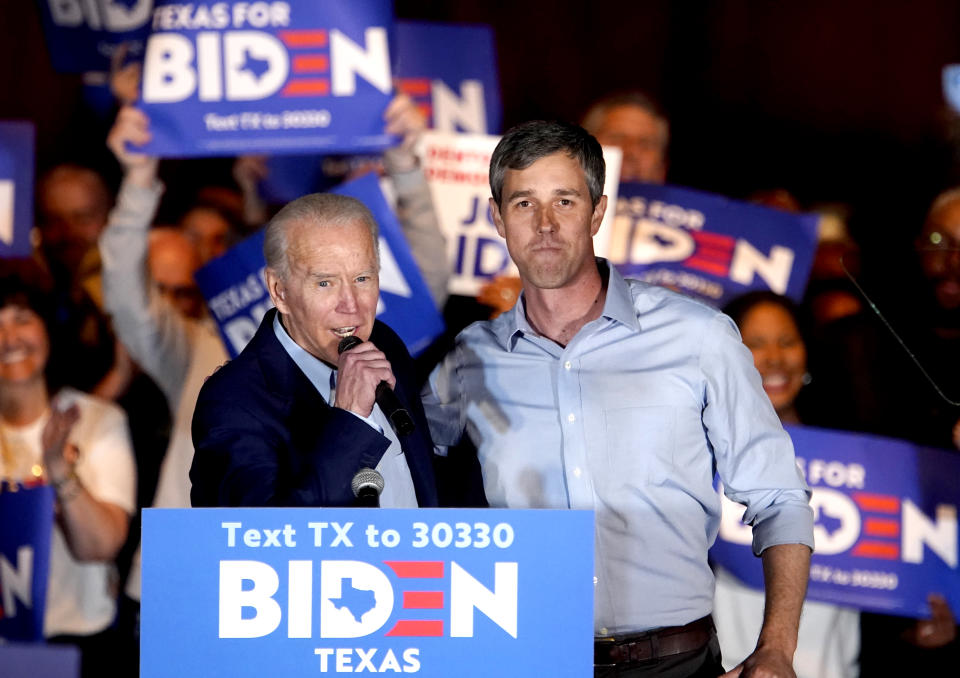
[(312, 241), (559, 165)]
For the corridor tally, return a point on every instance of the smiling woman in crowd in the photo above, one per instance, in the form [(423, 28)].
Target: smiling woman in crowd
[(80, 446)]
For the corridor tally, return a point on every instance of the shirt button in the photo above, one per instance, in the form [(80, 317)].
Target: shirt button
[(571, 418), (604, 631), (567, 365), (577, 472)]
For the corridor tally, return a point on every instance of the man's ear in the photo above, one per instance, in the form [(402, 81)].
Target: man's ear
[(597, 216), (497, 219), (276, 289)]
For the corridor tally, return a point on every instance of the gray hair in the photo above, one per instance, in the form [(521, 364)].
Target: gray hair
[(595, 115), (526, 143), (316, 210)]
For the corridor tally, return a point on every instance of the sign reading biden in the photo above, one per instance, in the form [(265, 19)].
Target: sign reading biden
[(709, 246), (83, 34), (236, 293), (282, 77), (450, 71), (886, 523), (439, 592)]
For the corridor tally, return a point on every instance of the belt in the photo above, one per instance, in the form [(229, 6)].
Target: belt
[(652, 645)]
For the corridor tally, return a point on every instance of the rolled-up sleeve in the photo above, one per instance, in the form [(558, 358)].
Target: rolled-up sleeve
[(754, 455)]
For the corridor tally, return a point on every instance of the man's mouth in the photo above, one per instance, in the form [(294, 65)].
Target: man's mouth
[(344, 331)]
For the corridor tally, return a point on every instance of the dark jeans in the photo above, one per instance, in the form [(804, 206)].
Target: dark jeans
[(703, 663)]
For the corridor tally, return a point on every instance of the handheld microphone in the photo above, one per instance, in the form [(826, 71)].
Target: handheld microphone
[(388, 401), (367, 484)]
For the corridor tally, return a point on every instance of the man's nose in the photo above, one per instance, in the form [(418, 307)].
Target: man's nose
[(347, 303), (546, 221)]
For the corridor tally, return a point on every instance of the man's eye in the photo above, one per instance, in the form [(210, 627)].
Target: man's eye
[(323, 283), (363, 278), (523, 203), (566, 202)]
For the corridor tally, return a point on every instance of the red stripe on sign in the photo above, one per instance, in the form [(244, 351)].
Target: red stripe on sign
[(880, 503), (708, 252), (713, 239), (878, 527), (415, 86), (416, 569), (311, 63), (304, 38), (423, 600), (306, 88), (426, 110), (706, 266), (425, 628), (877, 549)]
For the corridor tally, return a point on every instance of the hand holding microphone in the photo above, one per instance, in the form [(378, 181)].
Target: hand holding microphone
[(365, 377)]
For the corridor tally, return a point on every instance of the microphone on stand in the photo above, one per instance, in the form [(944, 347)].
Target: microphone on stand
[(367, 484), (388, 401)]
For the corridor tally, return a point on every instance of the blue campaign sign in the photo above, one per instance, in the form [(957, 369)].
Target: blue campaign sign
[(708, 246), (83, 34), (16, 188), (450, 71), (237, 296), (436, 592), (275, 77), (886, 523), (951, 86), (26, 523)]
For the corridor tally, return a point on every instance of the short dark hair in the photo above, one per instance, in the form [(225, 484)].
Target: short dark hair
[(739, 307), (526, 143), (26, 285)]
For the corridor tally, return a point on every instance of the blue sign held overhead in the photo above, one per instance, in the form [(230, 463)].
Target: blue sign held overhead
[(16, 188), (237, 296), (82, 35), (274, 77), (294, 592), (450, 71), (886, 523), (709, 246)]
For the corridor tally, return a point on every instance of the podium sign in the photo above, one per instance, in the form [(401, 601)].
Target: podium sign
[(438, 592)]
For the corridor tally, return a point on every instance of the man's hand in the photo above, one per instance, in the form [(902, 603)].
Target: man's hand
[(939, 630), (59, 457), (132, 126), (361, 369), (404, 119), (124, 78), (763, 663)]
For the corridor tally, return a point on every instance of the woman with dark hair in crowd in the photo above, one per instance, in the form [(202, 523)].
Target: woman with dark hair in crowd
[(80, 446), (829, 639)]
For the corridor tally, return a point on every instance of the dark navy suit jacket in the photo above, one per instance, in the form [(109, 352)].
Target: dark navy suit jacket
[(263, 435)]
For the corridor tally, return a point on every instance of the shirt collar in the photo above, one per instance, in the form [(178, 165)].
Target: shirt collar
[(318, 372), (617, 306)]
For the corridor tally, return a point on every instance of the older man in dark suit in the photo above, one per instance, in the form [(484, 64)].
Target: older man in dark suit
[(291, 420)]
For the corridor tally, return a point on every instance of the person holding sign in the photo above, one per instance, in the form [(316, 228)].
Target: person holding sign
[(80, 445), (297, 416), (596, 392)]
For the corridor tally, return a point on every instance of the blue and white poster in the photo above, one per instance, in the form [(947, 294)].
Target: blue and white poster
[(16, 188), (82, 35), (438, 592), (885, 523), (236, 293), (267, 77), (26, 523), (450, 71), (708, 246)]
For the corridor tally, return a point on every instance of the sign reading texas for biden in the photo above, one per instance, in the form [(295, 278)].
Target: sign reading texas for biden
[(227, 78), (83, 34), (457, 168), (236, 293), (16, 188), (299, 592), (886, 523), (450, 71), (709, 246)]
